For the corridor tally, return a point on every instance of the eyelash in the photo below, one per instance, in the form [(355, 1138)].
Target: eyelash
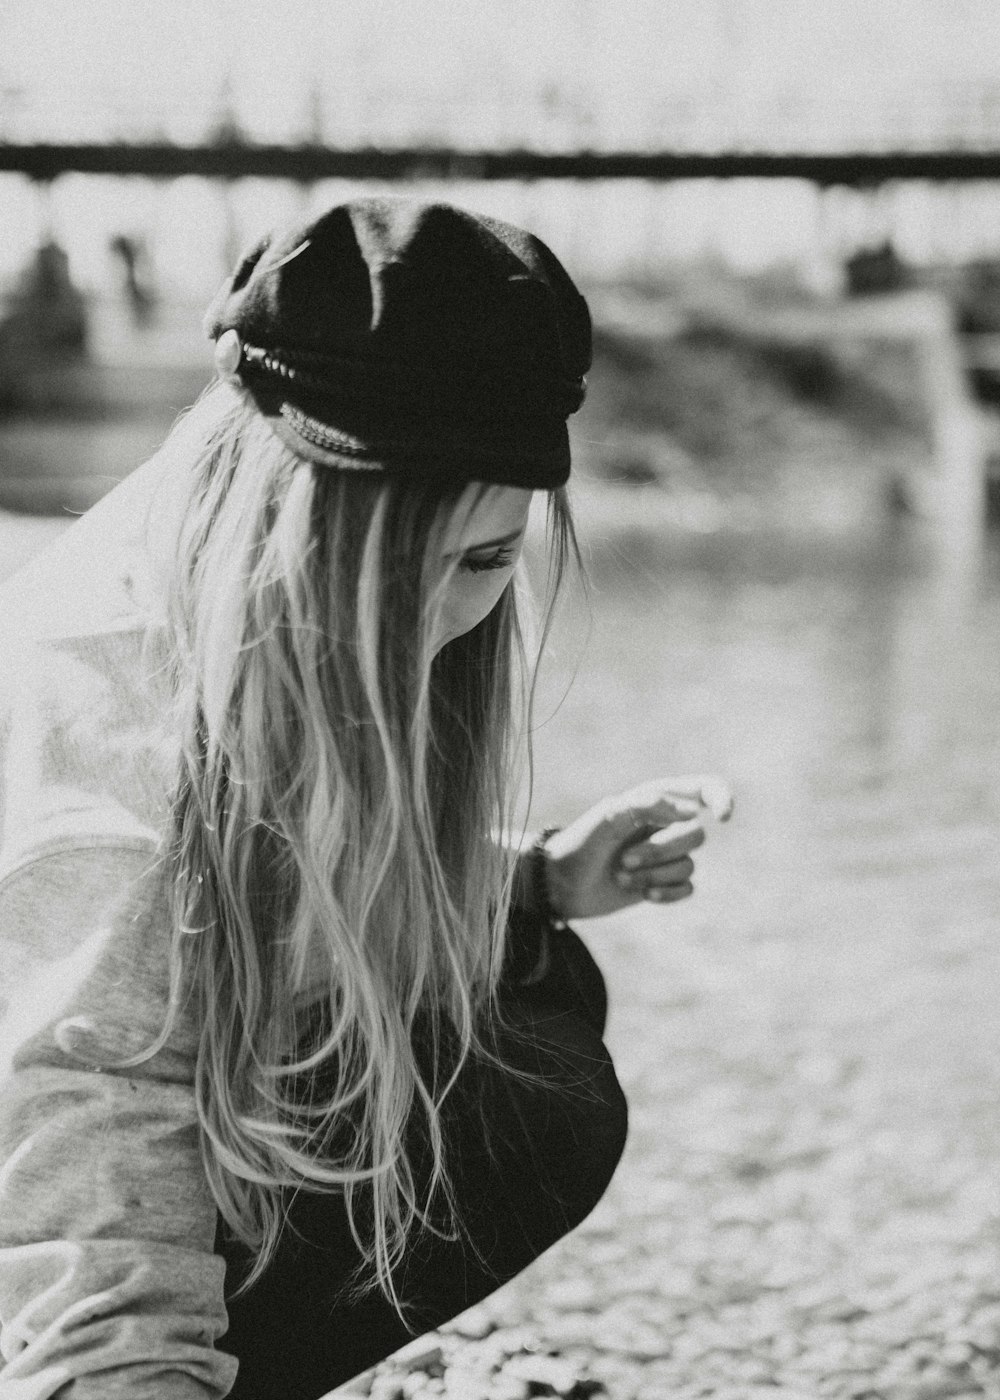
[(500, 560)]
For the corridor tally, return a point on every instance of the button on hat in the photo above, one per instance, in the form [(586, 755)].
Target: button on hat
[(393, 335)]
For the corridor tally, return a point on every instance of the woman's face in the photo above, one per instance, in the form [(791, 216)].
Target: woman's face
[(487, 544)]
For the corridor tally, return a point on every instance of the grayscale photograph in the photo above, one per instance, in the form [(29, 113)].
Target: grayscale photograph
[(499, 700)]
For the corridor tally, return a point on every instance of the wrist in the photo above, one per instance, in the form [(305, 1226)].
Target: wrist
[(544, 895)]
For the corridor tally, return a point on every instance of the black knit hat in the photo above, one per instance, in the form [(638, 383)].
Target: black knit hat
[(415, 338)]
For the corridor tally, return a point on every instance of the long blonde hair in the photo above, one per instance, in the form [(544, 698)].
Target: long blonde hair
[(334, 877)]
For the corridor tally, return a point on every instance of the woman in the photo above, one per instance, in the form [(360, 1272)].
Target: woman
[(299, 1055)]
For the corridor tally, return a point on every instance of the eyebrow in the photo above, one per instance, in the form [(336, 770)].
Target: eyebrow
[(487, 544)]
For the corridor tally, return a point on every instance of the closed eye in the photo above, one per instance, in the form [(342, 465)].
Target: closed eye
[(500, 559)]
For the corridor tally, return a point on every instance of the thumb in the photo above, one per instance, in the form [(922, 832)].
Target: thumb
[(717, 796), (712, 793), (638, 819)]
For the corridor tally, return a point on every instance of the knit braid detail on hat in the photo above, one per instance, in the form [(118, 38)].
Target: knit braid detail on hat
[(325, 375)]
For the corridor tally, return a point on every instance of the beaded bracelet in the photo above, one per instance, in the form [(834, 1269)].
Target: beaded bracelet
[(540, 879), (542, 906)]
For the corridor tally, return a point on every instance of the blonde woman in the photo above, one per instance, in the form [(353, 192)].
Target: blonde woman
[(300, 1056)]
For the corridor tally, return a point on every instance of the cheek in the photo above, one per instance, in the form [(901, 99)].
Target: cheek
[(470, 598)]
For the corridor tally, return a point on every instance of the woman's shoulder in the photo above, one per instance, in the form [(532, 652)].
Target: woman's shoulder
[(86, 750), (94, 575), (85, 754)]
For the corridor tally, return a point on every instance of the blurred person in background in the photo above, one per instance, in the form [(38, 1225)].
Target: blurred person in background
[(46, 314), (300, 1054)]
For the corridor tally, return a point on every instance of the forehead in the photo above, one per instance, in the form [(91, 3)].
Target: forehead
[(499, 511)]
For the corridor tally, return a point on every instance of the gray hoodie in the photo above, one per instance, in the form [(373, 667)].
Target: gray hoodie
[(108, 1282)]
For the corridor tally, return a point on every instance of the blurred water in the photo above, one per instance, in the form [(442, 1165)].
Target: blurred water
[(814, 674)]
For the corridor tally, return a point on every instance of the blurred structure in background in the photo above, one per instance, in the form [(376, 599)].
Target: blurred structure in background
[(699, 166), (46, 313)]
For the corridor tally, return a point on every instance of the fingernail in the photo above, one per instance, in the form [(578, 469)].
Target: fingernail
[(632, 861), (624, 879)]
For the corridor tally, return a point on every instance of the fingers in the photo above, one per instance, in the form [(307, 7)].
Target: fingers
[(670, 879), (666, 801), (660, 868), (668, 894), (629, 818), (712, 793), (666, 844), (708, 792), (717, 796)]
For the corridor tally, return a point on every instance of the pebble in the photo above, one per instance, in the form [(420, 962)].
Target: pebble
[(507, 1388), (550, 1371), (568, 1330), (462, 1381), (474, 1324), (422, 1353), (575, 1294), (387, 1388)]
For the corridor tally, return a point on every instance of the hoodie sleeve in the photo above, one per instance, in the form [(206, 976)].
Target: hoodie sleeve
[(109, 1286)]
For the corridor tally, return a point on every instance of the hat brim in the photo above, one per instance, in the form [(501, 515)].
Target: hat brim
[(430, 457)]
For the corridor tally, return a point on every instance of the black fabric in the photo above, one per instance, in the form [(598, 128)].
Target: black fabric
[(417, 330), (529, 1161)]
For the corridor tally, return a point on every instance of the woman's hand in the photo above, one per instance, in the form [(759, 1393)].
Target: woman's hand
[(634, 846)]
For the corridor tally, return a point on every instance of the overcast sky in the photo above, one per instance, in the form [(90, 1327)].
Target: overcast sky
[(741, 70)]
